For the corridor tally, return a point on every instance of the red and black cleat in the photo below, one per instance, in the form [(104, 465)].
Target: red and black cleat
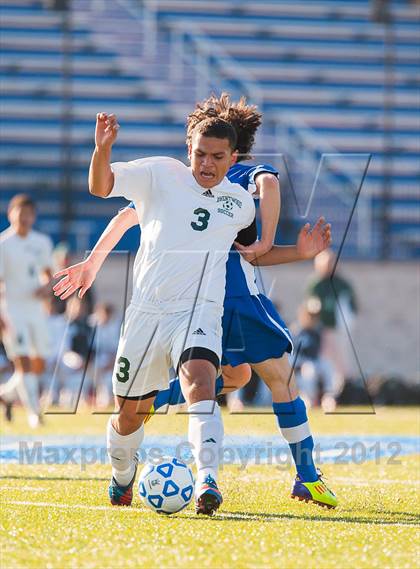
[(121, 495), (209, 498)]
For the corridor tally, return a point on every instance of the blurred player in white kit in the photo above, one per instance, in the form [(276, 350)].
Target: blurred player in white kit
[(25, 275)]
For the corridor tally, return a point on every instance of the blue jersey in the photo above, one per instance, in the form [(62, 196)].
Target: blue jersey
[(240, 275)]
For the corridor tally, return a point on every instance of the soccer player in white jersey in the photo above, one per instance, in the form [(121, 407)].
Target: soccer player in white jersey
[(25, 274), (189, 218), (249, 320)]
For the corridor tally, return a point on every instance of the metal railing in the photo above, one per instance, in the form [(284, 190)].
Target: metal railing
[(194, 57)]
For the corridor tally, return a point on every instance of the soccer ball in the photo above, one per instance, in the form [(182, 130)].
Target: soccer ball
[(167, 487)]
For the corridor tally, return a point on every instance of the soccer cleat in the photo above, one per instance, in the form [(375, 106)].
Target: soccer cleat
[(122, 495), (208, 497), (316, 492)]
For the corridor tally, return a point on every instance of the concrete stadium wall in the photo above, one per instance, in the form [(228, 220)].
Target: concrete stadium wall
[(386, 334)]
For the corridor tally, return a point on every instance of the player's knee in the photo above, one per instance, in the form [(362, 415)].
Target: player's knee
[(38, 366), (200, 388), (22, 364), (129, 417), (236, 377), (126, 423), (197, 378)]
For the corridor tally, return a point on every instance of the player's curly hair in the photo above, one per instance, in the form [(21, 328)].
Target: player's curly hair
[(244, 118)]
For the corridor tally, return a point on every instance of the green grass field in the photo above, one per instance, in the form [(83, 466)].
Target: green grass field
[(58, 516)]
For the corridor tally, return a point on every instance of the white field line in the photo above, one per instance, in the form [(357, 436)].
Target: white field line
[(249, 516), (24, 488), (351, 482), (67, 506)]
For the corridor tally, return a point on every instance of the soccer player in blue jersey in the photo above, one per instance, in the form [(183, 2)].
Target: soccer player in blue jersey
[(253, 332)]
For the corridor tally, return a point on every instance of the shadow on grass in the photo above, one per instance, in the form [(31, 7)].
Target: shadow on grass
[(403, 518)]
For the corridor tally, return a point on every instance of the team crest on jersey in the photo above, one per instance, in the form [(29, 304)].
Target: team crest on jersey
[(227, 204)]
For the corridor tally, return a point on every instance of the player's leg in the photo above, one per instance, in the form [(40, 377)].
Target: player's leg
[(138, 375), (197, 358), (23, 382), (205, 429), (232, 378), (27, 388), (23, 335), (256, 325), (125, 433), (290, 412)]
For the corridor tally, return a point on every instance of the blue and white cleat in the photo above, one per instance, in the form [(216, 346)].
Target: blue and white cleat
[(208, 498), (122, 495), (316, 492)]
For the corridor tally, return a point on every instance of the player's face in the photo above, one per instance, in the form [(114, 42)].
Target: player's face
[(210, 159), (22, 218)]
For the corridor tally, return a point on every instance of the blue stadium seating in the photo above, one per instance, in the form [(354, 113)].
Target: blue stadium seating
[(320, 61)]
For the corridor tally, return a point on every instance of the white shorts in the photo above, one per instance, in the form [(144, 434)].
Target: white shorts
[(150, 344), (26, 332)]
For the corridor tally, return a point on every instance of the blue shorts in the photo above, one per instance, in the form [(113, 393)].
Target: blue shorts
[(253, 331)]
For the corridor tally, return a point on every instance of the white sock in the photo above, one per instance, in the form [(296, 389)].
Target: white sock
[(28, 391), (205, 434), (121, 451), (8, 390)]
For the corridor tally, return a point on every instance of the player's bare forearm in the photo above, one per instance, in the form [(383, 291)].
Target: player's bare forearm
[(269, 193), (114, 231), (309, 243), (101, 177), (279, 255), (268, 190), (82, 275)]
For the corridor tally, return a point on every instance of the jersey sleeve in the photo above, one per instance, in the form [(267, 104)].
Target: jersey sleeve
[(132, 180), (249, 235), (255, 171), (131, 205)]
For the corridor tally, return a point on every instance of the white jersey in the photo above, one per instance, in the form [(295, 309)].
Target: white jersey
[(187, 232), (22, 260)]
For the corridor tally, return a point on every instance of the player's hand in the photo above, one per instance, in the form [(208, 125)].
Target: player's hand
[(80, 276), (310, 242), (106, 130), (253, 251)]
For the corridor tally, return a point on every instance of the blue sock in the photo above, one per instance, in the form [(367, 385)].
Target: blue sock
[(173, 395), (294, 426)]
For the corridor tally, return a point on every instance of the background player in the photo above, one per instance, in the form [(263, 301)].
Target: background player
[(25, 272), (253, 332), (174, 317)]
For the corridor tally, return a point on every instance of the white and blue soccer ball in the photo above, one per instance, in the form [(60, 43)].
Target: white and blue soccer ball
[(167, 487)]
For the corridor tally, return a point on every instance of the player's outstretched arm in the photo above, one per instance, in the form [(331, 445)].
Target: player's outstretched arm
[(101, 177), (82, 275), (268, 190), (309, 243)]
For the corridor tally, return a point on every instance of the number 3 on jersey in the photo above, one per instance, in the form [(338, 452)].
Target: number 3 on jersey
[(202, 221), (124, 366)]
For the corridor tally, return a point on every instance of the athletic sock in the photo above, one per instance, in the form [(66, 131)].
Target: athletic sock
[(173, 395), (294, 426), (8, 390), (28, 391), (121, 451), (205, 434)]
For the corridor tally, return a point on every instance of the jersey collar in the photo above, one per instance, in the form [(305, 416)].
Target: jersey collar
[(220, 187)]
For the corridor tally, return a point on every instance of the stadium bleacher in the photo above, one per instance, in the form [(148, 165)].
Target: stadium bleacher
[(321, 62)]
